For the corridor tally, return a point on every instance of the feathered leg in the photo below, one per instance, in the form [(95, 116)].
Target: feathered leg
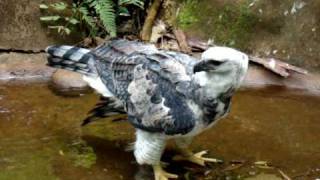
[(186, 154), (148, 149)]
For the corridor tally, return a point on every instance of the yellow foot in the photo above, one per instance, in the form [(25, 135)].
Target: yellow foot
[(160, 174), (196, 158)]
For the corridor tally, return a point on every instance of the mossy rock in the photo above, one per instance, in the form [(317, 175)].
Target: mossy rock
[(226, 23)]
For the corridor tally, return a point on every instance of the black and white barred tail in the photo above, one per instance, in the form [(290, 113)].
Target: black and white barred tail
[(78, 60), (71, 58)]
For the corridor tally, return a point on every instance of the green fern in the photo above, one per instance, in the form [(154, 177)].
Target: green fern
[(105, 10), (139, 3), (88, 19), (97, 16)]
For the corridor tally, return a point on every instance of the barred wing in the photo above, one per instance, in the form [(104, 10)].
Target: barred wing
[(153, 89)]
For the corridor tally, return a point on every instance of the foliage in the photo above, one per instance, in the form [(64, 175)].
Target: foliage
[(235, 25), (95, 17), (107, 15), (187, 16), (227, 23)]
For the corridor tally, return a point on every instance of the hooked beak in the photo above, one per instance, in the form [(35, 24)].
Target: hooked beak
[(206, 65)]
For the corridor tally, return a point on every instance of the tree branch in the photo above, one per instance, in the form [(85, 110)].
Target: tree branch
[(182, 40), (148, 23)]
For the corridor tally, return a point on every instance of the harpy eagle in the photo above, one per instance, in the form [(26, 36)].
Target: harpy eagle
[(166, 95)]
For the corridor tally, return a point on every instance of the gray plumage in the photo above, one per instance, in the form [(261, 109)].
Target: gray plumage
[(165, 94), (155, 87)]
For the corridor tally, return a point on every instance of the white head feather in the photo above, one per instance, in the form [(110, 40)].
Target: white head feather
[(224, 54)]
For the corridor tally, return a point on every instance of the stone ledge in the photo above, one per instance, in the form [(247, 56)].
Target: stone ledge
[(24, 67), (17, 67)]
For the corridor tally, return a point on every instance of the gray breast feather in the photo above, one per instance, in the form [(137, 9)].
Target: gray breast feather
[(157, 114), (148, 105), (140, 90)]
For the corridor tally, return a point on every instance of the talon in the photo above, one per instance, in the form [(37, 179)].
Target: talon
[(160, 174), (196, 158)]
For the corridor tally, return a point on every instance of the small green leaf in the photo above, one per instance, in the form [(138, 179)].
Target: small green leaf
[(139, 3), (123, 11), (50, 18), (67, 30), (59, 6), (61, 29), (43, 6), (73, 21), (55, 27)]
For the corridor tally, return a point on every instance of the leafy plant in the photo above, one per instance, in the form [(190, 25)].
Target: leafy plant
[(96, 17), (106, 12), (60, 6)]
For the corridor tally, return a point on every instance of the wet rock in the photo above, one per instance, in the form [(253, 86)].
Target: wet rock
[(21, 67), (63, 79)]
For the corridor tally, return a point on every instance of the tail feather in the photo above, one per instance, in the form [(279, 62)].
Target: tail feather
[(108, 108), (71, 58)]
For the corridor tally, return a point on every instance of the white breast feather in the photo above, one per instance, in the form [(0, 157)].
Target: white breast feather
[(97, 84)]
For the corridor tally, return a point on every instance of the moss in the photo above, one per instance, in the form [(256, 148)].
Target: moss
[(26, 165), (109, 130), (82, 155), (187, 17), (228, 24)]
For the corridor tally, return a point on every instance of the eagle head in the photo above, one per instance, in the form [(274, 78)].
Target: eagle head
[(223, 62), (220, 59)]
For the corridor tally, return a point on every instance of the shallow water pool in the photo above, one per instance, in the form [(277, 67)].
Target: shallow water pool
[(270, 134)]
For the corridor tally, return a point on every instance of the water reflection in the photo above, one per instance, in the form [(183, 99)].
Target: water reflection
[(41, 138)]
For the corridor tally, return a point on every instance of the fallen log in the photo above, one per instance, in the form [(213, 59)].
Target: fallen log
[(279, 67)]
